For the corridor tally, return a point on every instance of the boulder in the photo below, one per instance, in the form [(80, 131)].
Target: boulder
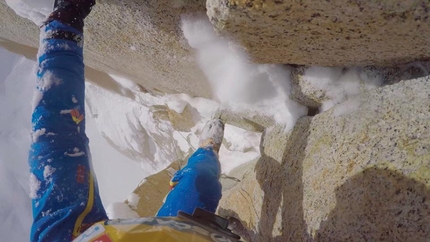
[(141, 41), (360, 176), (326, 33)]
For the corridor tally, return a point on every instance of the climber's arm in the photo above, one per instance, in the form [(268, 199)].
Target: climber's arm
[(63, 190)]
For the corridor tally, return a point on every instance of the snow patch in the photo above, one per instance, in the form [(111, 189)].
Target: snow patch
[(176, 105), (36, 11), (65, 111), (47, 80), (342, 87), (48, 171), (133, 200), (120, 210), (34, 186), (37, 133), (76, 153)]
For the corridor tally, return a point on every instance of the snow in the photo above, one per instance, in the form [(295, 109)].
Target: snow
[(37, 133), (133, 200), (341, 86), (36, 11), (120, 211), (48, 171), (48, 79), (34, 186), (66, 111), (238, 83)]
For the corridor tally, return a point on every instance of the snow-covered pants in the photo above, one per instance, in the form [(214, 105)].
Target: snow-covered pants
[(64, 192), (65, 197)]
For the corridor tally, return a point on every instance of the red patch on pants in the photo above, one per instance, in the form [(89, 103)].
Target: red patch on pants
[(80, 174)]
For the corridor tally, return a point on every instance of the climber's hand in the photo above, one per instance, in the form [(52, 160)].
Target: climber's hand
[(71, 12)]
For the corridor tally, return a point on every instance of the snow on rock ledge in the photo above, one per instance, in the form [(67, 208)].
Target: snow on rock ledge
[(362, 175)]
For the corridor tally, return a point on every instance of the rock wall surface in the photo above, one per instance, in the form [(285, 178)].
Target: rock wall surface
[(362, 176), (140, 40), (152, 191), (327, 33)]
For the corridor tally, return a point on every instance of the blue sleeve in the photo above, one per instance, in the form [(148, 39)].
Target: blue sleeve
[(64, 191)]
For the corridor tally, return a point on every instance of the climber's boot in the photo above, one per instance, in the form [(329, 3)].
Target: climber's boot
[(212, 134), (71, 12)]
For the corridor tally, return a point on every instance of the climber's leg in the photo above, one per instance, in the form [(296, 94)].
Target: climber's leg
[(197, 184), (64, 192)]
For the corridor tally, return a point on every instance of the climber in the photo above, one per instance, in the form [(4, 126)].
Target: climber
[(65, 197)]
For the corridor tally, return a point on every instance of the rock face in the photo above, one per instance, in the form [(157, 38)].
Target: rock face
[(152, 191), (327, 33), (362, 176), (141, 40)]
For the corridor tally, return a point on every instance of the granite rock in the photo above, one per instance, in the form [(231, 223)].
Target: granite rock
[(326, 33), (361, 176), (152, 191), (245, 119)]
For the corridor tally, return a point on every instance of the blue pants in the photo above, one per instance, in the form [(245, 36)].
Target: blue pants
[(195, 185), (65, 198)]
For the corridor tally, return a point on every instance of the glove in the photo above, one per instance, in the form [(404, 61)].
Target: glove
[(71, 12)]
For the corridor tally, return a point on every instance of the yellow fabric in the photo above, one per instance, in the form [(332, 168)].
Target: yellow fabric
[(78, 224), (148, 229)]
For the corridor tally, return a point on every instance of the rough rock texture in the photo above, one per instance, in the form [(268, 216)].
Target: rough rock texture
[(152, 191), (245, 119), (237, 175), (140, 40), (304, 92), (327, 33), (183, 121), (362, 176)]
